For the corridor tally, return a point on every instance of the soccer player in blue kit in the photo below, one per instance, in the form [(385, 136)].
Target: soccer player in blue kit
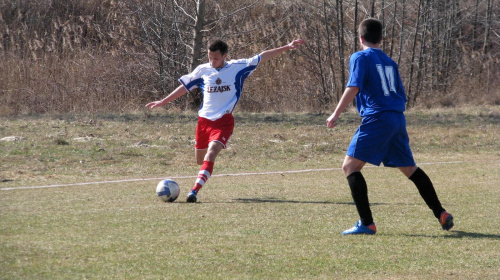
[(375, 82), (221, 83)]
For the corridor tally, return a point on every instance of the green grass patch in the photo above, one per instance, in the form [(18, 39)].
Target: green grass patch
[(274, 226)]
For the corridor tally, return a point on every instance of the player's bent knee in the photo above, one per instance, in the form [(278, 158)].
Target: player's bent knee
[(346, 170), (200, 155), (352, 165), (408, 170)]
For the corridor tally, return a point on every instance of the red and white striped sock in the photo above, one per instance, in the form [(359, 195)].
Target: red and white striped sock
[(205, 172)]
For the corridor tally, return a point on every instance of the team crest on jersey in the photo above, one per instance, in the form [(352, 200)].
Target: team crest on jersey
[(218, 87)]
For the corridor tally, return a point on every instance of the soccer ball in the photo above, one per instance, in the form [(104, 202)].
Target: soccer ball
[(168, 190)]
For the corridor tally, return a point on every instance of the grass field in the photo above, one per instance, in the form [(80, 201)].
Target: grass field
[(264, 226)]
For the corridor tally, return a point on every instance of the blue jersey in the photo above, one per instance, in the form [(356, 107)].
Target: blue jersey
[(379, 82)]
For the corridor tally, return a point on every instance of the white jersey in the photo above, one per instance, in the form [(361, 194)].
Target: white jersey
[(221, 88)]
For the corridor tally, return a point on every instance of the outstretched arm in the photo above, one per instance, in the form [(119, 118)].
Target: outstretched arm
[(269, 54), (178, 92), (345, 100)]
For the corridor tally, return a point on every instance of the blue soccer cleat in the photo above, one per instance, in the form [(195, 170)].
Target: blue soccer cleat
[(191, 197), (359, 228), (446, 220)]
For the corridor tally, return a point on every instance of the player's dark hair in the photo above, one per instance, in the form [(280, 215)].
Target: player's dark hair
[(371, 30), (218, 45)]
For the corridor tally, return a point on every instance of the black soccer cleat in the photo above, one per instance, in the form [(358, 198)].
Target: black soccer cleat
[(446, 220), (191, 198)]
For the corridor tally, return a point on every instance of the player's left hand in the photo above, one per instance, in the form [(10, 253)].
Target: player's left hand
[(331, 122), (295, 43), (154, 104)]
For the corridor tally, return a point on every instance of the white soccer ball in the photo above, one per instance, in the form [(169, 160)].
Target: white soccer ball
[(168, 190)]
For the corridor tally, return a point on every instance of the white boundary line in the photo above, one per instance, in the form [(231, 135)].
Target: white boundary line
[(188, 177)]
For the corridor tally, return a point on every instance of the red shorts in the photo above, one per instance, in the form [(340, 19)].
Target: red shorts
[(219, 130)]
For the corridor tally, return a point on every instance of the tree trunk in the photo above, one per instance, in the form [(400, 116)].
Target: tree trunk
[(355, 43), (487, 27), (194, 97), (383, 24), (330, 51), (393, 27), (340, 29), (197, 34), (475, 23), (420, 66), (409, 89), (401, 34)]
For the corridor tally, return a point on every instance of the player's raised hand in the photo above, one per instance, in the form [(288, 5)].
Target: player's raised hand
[(269, 54), (295, 43)]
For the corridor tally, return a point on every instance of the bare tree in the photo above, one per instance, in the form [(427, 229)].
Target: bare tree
[(330, 52), (476, 10), (199, 24), (413, 53), (401, 32), (423, 48), (176, 31), (355, 29), (124, 52), (340, 38), (393, 34), (488, 24), (382, 10)]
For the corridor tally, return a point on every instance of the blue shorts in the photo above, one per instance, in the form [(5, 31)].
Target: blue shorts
[(382, 138)]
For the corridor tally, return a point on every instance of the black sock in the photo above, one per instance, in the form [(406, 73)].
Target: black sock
[(427, 191), (359, 192)]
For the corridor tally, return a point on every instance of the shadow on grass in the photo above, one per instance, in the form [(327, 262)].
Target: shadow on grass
[(277, 200), (460, 234)]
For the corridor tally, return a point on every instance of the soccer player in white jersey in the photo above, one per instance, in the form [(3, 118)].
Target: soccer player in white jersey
[(221, 83)]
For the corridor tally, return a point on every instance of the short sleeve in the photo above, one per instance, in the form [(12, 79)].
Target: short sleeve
[(250, 62), (192, 80), (254, 60), (357, 71)]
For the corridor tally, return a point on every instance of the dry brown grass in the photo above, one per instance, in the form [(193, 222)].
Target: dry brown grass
[(88, 56)]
